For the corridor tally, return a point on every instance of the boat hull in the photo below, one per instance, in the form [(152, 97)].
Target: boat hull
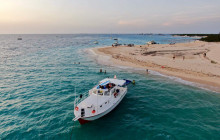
[(88, 119), (82, 121)]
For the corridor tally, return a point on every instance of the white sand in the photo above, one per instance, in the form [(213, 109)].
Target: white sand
[(195, 67)]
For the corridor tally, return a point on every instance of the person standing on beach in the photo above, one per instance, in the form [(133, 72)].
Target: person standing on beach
[(174, 57), (183, 57)]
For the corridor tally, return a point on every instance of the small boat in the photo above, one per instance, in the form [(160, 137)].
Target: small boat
[(151, 42), (116, 44), (19, 38), (96, 42), (100, 100)]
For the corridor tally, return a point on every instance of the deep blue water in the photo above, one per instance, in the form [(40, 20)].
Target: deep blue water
[(38, 78)]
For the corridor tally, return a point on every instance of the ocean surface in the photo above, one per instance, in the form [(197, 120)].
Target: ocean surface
[(39, 74)]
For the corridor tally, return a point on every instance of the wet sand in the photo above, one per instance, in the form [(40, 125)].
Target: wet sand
[(184, 60)]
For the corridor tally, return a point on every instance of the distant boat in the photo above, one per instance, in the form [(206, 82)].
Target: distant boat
[(115, 39), (96, 42), (116, 44), (151, 42), (100, 100), (19, 38)]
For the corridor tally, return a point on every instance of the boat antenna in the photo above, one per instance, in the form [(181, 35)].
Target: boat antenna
[(75, 96)]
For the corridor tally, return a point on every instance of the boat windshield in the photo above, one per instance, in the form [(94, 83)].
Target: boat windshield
[(101, 92), (106, 93)]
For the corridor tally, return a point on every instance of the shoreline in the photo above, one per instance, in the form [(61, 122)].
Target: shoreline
[(193, 67)]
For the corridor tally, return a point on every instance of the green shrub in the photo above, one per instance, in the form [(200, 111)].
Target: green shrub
[(208, 38)]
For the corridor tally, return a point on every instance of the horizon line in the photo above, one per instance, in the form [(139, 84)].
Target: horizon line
[(94, 33)]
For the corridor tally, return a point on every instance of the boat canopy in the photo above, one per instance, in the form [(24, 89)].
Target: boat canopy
[(115, 81), (103, 83)]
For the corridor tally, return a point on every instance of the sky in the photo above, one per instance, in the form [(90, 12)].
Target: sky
[(109, 16)]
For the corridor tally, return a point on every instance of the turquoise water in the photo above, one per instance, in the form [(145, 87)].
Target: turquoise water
[(37, 81)]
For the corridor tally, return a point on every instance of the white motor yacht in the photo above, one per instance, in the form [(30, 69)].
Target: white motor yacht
[(100, 100)]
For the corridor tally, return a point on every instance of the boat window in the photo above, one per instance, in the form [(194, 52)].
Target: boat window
[(106, 93)]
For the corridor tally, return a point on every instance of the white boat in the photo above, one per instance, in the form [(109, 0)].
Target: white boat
[(96, 42), (116, 44), (151, 42), (100, 100)]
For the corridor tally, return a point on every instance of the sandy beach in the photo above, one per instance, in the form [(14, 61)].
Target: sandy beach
[(197, 61)]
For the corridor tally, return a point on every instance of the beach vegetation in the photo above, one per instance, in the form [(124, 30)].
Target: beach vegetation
[(204, 37), (211, 38)]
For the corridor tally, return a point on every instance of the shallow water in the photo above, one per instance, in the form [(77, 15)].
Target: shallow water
[(38, 78)]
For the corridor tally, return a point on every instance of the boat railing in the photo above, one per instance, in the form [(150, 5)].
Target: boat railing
[(80, 98), (104, 105)]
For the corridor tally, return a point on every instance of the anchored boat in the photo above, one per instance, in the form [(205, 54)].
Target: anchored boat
[(96, 42), (100, 100), (151, 42)]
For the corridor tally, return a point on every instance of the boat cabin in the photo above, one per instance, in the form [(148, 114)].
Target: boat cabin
[(107, 87)]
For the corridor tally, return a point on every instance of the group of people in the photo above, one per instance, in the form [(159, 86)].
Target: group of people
[(108, 86), (174, 56), (101, 71)]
